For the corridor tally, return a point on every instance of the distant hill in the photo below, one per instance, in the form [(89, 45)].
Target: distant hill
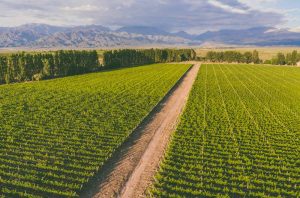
[(260, 36), (96, 36), (22, 35), (46, 36), (143, 30), (185, 35)]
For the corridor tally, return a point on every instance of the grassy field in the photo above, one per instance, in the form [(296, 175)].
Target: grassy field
[(238, 137), (265, 53), (56, 134)]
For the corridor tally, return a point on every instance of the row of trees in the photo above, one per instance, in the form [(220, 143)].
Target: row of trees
[(282, 59), (233, 56), (130, 57), (25, 66)]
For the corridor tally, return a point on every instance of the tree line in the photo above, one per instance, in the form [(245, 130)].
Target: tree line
[(28, 66), (131, 57), (281, 59), (233, 56)]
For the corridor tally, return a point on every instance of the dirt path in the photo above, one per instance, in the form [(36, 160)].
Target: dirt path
[(130, 171)]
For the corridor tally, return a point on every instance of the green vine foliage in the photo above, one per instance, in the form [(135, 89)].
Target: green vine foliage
[(55, 135), (238, 137)]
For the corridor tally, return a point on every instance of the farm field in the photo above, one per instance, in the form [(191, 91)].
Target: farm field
[(238, 137), (56, 134)]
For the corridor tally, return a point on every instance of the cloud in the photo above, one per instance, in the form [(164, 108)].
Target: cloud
[(295, 29), (257, 2), (227, 8), (189, 15), (87, 7)]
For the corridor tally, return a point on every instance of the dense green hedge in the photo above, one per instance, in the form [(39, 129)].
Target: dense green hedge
[(24, 66), (130, 57), (285, 59), (233, 56)]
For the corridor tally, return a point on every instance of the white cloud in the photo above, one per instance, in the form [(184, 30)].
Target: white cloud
[(227, 8), (187, 15), (87, 7), (258, 4), (295, 29)]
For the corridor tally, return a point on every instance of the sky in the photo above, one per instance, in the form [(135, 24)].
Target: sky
[(193, 16)]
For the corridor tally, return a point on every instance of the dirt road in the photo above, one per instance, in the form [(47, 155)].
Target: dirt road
[(131, 170)]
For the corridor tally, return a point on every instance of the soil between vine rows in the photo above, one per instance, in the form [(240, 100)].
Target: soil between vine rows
[(132, 168)]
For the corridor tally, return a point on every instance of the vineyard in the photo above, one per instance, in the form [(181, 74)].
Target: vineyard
[(238, 137), (56, 134)]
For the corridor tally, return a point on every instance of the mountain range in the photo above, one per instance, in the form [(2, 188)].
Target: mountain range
[(97, 36)]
